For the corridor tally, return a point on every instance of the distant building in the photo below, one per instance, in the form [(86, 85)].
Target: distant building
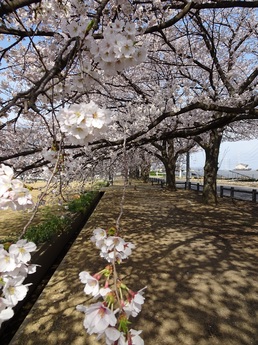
[(242, 166)]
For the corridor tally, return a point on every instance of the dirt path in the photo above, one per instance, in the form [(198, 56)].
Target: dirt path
[(198, 262)]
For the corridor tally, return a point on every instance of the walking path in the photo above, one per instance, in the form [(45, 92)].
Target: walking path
[(199, 264)]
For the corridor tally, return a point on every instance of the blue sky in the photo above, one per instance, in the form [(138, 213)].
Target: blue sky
[(231, 154)]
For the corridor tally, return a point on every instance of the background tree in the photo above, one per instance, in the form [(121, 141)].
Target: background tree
[(168, 152), (201, 71)]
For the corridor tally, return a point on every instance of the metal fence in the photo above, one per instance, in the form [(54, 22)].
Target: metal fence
[(241, 193)]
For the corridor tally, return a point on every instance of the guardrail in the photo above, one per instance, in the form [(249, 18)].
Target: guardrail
[(227, 191), (233, 191), (223, 191)]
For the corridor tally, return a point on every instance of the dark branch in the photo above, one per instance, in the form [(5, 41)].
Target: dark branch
[(8, 7)]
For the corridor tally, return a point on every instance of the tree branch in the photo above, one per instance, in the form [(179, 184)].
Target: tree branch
[(8, 7)]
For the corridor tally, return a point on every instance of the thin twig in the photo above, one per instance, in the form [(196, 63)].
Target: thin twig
[(118, 221), (124, 188), (41, 197)]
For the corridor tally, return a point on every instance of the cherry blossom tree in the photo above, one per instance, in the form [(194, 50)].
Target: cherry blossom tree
[(168, 152), (215, 60), (83, 82), (65, 63)]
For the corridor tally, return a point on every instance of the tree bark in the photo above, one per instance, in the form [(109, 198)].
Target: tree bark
[(145, 172), (170, 168), (168, 155), (134, 172), (11, 6), (210, 195), (145, 167)]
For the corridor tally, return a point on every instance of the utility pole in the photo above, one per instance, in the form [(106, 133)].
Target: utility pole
[(187, 169)]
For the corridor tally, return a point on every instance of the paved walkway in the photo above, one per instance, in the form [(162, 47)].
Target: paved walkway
[(199, 264)]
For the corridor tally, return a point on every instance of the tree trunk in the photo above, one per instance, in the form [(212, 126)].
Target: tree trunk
[(210, 195), (145, 171), (169, 158), (168, 155), (134, 172), (170, 174)]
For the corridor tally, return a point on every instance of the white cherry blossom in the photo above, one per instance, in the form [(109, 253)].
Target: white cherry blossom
[(12, 193), (136, 339), (111, 335), (83, 122), (7, 261), (110, 319), (114, 248), (6, 311), (14, 268), (22, 250), (134, 306), (7, 171), (97, 317), (91, 284), (5, 183), (14, 291), (98, 235)]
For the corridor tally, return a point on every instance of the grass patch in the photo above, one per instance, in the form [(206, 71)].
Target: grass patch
[(44, 231), (81, 203), (50, 219), (12, 222), (55, 223), (157, 174)]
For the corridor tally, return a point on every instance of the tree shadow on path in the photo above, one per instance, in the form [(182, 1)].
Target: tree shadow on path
[(199, 264)]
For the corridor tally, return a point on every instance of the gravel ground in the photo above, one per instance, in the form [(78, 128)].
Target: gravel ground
[(199, 264)]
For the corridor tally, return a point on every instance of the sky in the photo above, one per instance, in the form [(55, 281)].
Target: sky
[(231, 154)]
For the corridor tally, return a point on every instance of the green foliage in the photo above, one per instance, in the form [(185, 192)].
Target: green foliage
[(55, 221), (82, 203), (45, 230), (156, 174), (7, 242)]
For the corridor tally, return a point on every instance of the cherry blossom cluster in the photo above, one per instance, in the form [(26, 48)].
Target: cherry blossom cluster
[(117, 50), (81, 123), (109, 318), (14, 268), (111, 247), (14, 258), (12, 192), (50, 155)]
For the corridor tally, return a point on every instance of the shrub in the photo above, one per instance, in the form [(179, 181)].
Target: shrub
[(45, 230), (82, 203), (53, 223)]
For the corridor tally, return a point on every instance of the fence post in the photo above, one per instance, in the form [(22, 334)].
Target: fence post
[(254, 195), (232, 192), (189, 185), (198, 186), (221, 191)]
